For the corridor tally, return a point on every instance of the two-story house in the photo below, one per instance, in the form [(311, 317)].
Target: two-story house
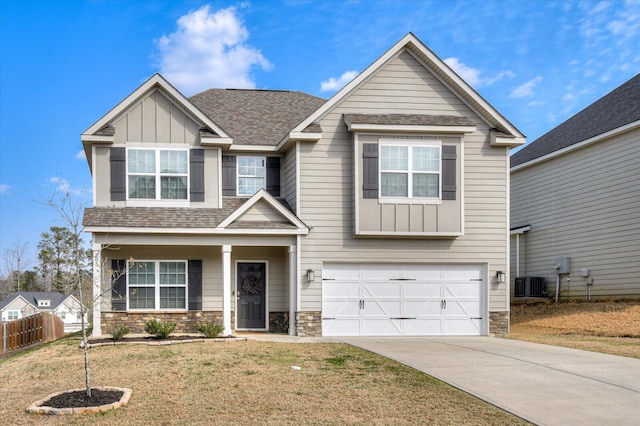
[(381, 211)]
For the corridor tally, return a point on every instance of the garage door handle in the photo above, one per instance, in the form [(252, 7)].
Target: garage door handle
[(443, 304), (402, 279), (404, 318), (326, 318)]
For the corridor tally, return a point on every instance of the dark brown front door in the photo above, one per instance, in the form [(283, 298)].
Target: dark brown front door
[(251, 309)]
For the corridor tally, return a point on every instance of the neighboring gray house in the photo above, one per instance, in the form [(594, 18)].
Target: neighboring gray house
[(26, 303), (575, 193), (381, 211)]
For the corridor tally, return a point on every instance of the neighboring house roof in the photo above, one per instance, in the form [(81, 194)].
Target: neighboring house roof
[(33, 296), (256, 117), (616, 109)]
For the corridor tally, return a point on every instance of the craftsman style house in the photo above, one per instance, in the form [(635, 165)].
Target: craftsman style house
[(381, 211)]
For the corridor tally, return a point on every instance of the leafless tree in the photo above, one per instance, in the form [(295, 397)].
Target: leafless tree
[(15, 262)]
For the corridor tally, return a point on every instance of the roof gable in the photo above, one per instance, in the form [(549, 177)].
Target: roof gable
[(411, 44), (32, 298), (12, 300), (615, 110)]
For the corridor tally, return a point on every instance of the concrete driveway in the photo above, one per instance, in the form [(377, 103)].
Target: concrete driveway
[(543, 384)]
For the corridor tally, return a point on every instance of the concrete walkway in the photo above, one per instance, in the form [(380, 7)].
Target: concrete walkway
[(546, 385)]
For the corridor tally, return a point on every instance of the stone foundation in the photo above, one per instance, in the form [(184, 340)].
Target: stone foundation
[(499, 323), (185, 321), (279, 322), (309, 324)]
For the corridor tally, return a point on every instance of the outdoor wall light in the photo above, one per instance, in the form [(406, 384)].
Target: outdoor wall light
[(311, 276), (502, 277)]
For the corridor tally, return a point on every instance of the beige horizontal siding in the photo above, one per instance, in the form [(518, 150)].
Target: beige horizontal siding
[(584, 205), (326, 202)]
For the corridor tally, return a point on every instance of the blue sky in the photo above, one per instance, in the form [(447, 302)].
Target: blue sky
[(65, 63)]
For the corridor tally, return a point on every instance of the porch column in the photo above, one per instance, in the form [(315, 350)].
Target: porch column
[(97, 286), (293, 289), (226, 289)]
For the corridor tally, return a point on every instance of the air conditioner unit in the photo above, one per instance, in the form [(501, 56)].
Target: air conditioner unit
[(530, 287)]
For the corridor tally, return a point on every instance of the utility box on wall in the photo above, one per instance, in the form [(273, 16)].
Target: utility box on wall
[(563, 265)]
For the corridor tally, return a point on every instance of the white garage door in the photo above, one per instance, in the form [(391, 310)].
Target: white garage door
[(402, 300)]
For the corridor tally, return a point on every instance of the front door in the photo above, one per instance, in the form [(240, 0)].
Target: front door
[(252, 288)]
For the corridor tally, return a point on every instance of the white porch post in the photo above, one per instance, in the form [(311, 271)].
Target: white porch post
[(97, 286), (293, 288), (226, 289)]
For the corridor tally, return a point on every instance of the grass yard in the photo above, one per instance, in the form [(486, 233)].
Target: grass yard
[(611, 327), (240, 383)]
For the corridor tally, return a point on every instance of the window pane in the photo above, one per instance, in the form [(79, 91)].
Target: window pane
[(173, 273), (173, 162), (426, 159), (141, 161), (142, 273), (394, 157), (142, 297), (251, 166), (249, 186), (142, 187), (394, 185), (426, 185), (173, 298), (173, 187)]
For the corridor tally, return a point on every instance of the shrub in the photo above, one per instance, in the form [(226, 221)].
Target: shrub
[(210, 329), (160, 329), (119, 331)]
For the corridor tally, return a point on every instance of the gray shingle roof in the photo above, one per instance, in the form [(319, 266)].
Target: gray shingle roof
[(616, 109), (409, 119), (33, 297), (256, 117)]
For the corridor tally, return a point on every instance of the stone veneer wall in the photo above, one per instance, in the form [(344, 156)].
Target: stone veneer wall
[(185, 321), (499, 323), (309, 324)]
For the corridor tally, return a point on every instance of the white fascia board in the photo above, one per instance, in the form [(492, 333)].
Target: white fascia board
[(88, 138), (261, 148), (193, 231), (262, 195), (298, 136), (586, 142), (520, 230), (410, 128), (205, 141), (511, 142), (160, 81)]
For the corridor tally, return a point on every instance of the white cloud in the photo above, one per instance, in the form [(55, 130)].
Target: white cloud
[(5, 189), (80, 155), (208, 50), (337, 83), (472, 75), (525, 89), (65, 187)]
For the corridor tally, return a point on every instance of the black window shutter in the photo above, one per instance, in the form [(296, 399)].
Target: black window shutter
[(370, 170), (119, 288), (273, 176), (195, 285), (118, 174), (449, 172), (196, 178), (229, 175)]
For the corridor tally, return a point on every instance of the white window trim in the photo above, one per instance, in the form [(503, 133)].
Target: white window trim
[(147, 202), (238, 175), (410, 143), (17, 315), (157, 286)]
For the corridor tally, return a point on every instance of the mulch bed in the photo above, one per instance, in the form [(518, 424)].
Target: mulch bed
[(145, 339), (77, 399)]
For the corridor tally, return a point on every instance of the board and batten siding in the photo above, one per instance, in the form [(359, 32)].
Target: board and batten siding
[(155, 122), (327, 204), (584, 205)]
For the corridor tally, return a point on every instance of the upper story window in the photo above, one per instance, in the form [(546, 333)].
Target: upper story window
[(251, 175), (410, 170), (156, 285), (157, 174)]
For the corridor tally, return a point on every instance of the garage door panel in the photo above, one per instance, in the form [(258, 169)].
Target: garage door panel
[(410, 299)]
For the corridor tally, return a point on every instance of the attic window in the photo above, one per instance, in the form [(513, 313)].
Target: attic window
[(44, 303)]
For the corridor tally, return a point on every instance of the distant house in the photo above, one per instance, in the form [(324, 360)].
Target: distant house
[(25, 303), (575, 195)]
